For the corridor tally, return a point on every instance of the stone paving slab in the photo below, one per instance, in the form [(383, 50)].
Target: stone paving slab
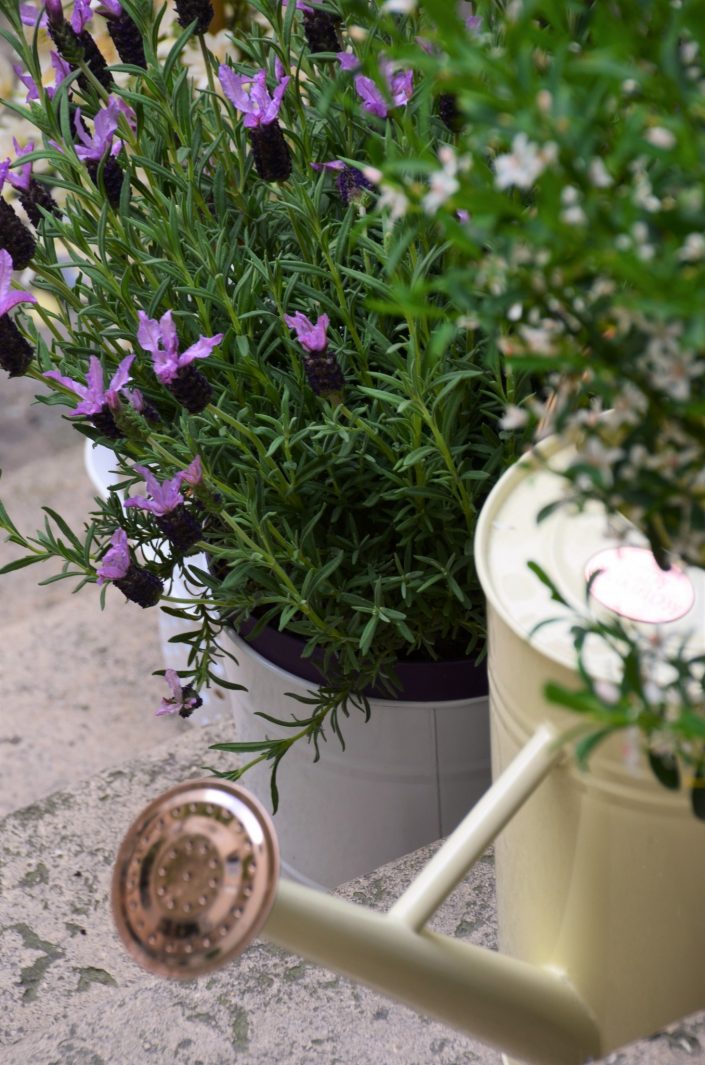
[(70, 996), (78, 694), (59, 481)]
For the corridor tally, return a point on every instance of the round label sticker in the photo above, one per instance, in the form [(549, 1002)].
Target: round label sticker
[(630, 582)]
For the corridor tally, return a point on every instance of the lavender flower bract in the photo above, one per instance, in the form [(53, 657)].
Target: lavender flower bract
[(172, 369), (100, 150), (184, 699), (136, 583), (180, 525), (249, 94), (98, 403), (320, 365), (15, 352)]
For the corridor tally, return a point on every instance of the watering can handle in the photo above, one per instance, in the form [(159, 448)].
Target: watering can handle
[(478, 829)]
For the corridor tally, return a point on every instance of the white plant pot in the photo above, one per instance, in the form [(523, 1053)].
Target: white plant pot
[(405, 778), (100, 463), (601, 874)]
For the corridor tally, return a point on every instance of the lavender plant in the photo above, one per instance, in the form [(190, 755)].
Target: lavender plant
[(572, 194), (332, 475)]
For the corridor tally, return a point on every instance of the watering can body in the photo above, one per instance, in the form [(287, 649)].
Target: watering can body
[(601, 873)]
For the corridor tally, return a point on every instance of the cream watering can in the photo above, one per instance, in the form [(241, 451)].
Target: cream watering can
[(600, 875)]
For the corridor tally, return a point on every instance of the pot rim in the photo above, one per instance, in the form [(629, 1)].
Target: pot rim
[(421, 681)]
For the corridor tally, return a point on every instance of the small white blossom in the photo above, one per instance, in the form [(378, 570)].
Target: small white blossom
[(514, 418), (541, 339), (524, 164), (399, 7), (660, 137), (598, 174), (372, 174), (693, 248), (515, 312), (444, 182), (394, 201)]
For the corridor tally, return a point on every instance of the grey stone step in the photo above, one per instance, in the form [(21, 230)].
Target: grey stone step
[(70, 996), (78, 694), (58, 480), (30, 430)]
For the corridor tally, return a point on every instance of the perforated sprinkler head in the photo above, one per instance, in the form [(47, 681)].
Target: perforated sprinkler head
[(195, 878)]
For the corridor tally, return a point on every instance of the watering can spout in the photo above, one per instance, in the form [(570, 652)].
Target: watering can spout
[(197, 877), (529, 1013)]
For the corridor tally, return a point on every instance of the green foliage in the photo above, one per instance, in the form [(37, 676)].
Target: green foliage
[(349, 519), (579, 158)]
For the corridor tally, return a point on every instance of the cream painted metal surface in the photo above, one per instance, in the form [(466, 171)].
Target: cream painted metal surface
[(406, 777), (601, 873)]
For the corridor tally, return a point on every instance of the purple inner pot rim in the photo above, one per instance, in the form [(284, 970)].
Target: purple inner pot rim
[(425, 682)]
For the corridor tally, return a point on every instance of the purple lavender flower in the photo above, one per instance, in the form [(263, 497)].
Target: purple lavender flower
[(399, 82), (193, 474), (172, 369), (320, 365), (165, 496), (76, 46), (466, 11), (29, 13), (183, 701), (32, 193), (98, 403), (116, 561), (135, 582), (348, 61), (15, 352), (92, 149), (179, 524), (400, 85), (62, 69), (9, 298), (28, 82), (160, 340), (81, 16), (249, 94), (351, 182), (98, 152), (310, 336)]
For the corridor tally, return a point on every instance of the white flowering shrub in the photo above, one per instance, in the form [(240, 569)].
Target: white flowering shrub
[(577, 228)]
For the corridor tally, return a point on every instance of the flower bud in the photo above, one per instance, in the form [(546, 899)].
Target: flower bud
[(191, 388), (199, 10), (271, 152), (15, 237), (15, 352), (140, 586)]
